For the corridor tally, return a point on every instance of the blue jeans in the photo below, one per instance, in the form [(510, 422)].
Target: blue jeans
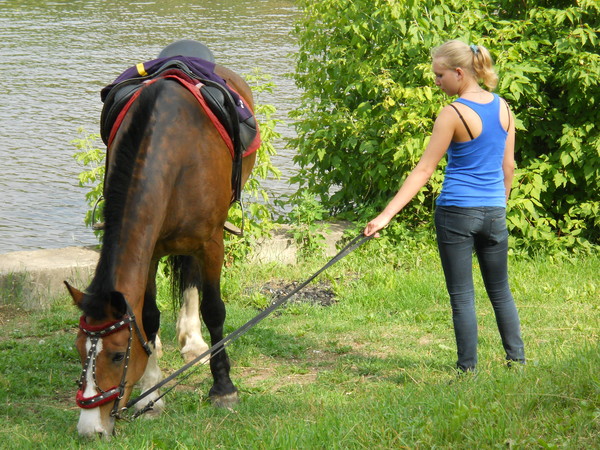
[(459, 231)]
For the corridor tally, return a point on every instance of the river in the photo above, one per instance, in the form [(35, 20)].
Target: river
[(57, 55)]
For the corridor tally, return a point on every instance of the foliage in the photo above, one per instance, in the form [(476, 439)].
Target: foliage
[(369, 104), (93, 158), (256, 219), (552, 61), (306, 219)]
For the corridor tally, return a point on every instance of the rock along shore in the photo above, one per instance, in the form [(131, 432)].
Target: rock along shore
[(36, 277)]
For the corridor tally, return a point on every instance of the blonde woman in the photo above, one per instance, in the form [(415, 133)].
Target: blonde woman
[(477, 132)]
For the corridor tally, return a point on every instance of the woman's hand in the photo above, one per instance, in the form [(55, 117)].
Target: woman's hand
[(375, 225)]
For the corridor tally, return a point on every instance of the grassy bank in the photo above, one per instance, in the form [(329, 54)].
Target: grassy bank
[(373, 370)]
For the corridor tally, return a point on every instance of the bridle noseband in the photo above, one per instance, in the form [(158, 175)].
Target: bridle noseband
[(95, 333)]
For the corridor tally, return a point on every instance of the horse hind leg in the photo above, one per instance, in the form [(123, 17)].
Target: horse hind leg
[(189, 334), (223, 393), (189, 331)]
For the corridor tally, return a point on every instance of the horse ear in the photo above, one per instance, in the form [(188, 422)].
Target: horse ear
[(118, 304), (76, 294)]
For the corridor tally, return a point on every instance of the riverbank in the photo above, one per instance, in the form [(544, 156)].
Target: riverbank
[(33, 279)]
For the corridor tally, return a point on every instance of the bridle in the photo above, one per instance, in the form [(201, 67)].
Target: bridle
[(95, 333)]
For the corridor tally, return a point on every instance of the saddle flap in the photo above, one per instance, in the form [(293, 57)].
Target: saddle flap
[(114, 103), (215, 99)]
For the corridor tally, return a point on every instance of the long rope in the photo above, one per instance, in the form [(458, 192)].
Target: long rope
[(220, 346)]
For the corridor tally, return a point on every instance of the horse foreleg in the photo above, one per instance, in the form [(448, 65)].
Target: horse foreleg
[(152, 376), (189, 333), (151, 322)]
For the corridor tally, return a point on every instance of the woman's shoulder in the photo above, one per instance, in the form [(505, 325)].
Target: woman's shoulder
[(447, 113), (447, 119)]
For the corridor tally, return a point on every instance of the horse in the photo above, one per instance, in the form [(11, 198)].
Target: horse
[(167, 192)]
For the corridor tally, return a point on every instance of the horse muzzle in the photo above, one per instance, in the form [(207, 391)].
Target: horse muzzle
[(91, 425)]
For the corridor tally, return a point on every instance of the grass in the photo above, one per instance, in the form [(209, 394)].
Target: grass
[(375, 370)]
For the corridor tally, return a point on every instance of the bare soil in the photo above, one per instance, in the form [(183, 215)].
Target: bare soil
[(11, 317), (320, 293)]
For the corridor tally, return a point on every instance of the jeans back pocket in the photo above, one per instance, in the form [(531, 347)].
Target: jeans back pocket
[(452, 225)]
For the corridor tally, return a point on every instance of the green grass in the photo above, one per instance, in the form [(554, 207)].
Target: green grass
[(375, 370)]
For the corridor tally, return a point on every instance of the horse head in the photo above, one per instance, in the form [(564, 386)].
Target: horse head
[(113, 354)]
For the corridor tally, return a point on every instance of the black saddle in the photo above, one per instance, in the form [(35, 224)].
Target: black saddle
[(216, 96)]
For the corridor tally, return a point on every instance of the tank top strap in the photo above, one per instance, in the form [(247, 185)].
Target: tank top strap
[(479, 106), (489, 113), (463, 120)]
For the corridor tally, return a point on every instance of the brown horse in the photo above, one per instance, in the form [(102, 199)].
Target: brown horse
[(168, 191)]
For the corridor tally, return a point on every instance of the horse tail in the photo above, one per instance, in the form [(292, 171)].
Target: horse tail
[(184, 273)]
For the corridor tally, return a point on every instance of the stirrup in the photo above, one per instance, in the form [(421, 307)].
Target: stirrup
[(100, 225), (231, 228)]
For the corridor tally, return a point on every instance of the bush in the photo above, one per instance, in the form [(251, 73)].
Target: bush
[(369, 104)]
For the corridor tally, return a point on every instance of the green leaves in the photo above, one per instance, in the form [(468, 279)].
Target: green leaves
[(91, 157), (369, 104), (359, 48)]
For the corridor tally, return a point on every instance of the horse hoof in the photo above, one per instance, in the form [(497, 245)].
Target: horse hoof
[(191, 355), (152, 414), (193, 348), (225, 401)]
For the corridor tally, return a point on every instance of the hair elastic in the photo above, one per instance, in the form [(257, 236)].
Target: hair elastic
[(474, 49)]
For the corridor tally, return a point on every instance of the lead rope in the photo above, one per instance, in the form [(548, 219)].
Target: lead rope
[(220, 346)]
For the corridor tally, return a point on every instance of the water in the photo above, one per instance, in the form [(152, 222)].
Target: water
[(55, 56)]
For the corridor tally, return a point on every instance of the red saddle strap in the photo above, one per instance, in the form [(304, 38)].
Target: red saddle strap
[(194, 87)]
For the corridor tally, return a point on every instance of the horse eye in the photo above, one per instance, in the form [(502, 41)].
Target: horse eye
[(118, 357)]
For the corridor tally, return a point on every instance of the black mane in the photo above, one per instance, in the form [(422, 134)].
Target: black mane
[(115, 193)]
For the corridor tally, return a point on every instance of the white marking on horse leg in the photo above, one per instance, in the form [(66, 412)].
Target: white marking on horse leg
[(90, 422), (158, 348), (152, 376), (188, 327)]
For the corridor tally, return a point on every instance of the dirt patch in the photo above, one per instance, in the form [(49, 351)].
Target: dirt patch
[(316, 293), (12, 317)]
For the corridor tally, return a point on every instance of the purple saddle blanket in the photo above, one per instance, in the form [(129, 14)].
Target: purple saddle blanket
[(203, 69)]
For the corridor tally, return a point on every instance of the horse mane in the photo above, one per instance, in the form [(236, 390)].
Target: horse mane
[(116, 193)]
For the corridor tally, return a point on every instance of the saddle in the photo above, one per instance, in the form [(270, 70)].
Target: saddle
[(225, 105)]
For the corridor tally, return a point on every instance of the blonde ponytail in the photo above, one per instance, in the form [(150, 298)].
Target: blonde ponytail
[(474, 58), (483, 66)]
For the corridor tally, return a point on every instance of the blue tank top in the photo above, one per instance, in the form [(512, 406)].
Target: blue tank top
[(474, 175)]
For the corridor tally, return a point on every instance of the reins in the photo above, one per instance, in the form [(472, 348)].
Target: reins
[(220, 346)]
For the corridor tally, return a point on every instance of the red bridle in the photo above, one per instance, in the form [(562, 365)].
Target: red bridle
[(95, 333)]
